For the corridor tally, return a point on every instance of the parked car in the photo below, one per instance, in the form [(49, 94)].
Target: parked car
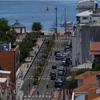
[(54, 66), (58, 83), (60, 73), (53, 75), (63, 63), (67, 48), (56, 52), (59, 56), (61, 77)]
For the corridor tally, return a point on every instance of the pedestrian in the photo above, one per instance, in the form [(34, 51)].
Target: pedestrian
[(37, 92), (47, 86)]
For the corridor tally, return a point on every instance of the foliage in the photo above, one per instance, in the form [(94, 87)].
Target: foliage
[(82, 71), (93, 65), (73, 83), (36, 26), (35, 82), (4, 27), (26, 45), (97, 67), (6, 35)]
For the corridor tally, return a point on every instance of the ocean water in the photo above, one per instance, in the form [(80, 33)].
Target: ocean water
[(28, 12)]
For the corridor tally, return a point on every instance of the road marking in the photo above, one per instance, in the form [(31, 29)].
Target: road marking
[(42, 95), (49, 96), (39, 95)]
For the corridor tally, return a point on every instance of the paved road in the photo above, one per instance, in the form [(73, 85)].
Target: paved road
[(46, 94)]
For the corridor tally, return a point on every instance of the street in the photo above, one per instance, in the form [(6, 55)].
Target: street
[(44, 93)]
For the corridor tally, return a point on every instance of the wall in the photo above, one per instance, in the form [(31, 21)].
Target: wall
[(83, 21), (92, 94), (7, 62), (17, 58), (96, 19), (88, 33), (74, 50)]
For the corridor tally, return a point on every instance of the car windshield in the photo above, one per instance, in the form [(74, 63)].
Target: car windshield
[(54, 65)]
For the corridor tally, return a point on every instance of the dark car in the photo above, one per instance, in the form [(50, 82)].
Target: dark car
[(59, 56), (60, 73), (54, 66), (53, 75), (61, 77), (58, 82), (56, 52), (63, 63)]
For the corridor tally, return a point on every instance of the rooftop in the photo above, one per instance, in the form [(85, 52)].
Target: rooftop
[(17, 25), (2, 80), (81, 66), (95, 48), (85, 13), (89, 81), (4, 72), (85, 1)]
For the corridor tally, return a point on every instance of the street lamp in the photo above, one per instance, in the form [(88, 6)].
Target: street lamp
[(56, 20)]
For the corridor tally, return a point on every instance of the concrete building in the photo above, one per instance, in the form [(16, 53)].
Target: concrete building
[(84, 5), (6, 86), (9, 59)]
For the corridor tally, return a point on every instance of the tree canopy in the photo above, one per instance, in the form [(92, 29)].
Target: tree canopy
[(36, 26), (6, 35)]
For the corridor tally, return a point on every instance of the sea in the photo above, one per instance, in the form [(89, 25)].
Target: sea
[(29, 11)]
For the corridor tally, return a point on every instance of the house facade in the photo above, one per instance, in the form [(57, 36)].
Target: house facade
[(9, 59)]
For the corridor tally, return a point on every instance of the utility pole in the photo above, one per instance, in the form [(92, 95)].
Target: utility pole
[(65, 21), (56, 20)]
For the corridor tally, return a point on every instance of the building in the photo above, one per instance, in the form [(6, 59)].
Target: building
[(88, 16), (87, 65), (88, 86), (6, 86), (84, 5), (9, 58), (95, 50), (88, 27)]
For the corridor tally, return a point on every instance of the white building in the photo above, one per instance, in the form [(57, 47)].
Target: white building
[(84, 5)]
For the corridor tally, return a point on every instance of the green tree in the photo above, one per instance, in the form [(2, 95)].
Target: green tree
[(6, 35), (36, 26), (4, 27)]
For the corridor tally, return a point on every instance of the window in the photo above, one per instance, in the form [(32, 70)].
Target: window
[(85, 17), (97, 91)]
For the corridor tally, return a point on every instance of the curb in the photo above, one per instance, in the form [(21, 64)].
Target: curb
[(33, 61), (44, 67)]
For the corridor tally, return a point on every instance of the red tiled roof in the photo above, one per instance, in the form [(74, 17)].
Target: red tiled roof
[(89, 81), (98, 98), (95, 48), (84, 88), (87, 74)]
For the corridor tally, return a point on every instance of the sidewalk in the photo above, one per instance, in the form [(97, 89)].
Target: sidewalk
[(58, 95), (24, 67), (21, 72)]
